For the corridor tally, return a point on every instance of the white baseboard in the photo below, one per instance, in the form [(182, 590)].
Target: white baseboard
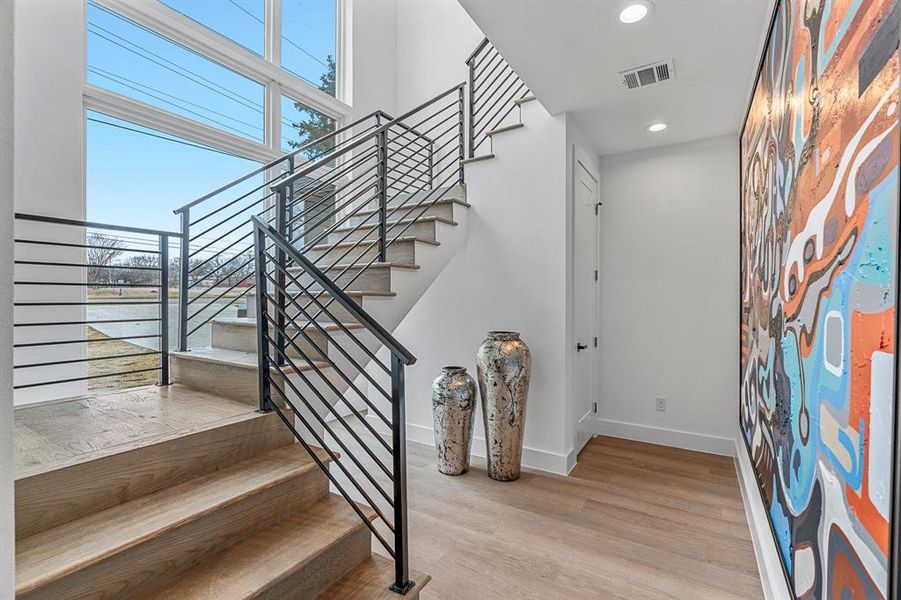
[(667, 437), (771, 577), (540, 460)]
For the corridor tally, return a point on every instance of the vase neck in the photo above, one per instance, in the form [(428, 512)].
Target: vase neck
[(503, 336), (454, 370)]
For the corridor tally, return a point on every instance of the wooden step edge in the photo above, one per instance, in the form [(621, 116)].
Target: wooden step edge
[(222, 356), (370, 580), (351, 266), (405, 239), (251, 322), (269, 555), (414, 206), (505, 129), (47, 576), (525, 99), (391, 224), (474, 159)]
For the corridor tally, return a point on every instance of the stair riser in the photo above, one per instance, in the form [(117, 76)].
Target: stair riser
[(423, 229), (241, 337), (444, 210), (335, 309), (186, 543), (398, 252), (50, 499), (374, 279), (222, 379), (324, 570), (447, 193)]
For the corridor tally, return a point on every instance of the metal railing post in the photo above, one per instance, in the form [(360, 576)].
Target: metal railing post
[(164, 309), (290, 215), (259, 263), (432, 165), (402, 583), (472, 107), (462, 117), (281, 260), (382, 146), (184, 274)]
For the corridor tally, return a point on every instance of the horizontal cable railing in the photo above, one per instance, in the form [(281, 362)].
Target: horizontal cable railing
[(494, 88), (307, 369), (91, 306)]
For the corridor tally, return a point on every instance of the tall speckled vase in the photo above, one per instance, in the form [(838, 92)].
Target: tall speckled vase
[(453, 403), (504, 365)]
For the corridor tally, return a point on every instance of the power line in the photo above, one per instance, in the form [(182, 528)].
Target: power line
[(234, 97), (115, 78), (284, 37), (163, 137)]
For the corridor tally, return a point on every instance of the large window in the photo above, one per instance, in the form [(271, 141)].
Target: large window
[(137, 176), (137, 63), (241, 21), (220, 108), (308, 41)]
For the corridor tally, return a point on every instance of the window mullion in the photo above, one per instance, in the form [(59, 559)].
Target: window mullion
[(273, 42)]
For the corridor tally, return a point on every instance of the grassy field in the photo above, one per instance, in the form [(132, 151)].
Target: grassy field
[(133, 363)]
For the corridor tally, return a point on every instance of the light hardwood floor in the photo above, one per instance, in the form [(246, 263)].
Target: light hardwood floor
[(634, 521)]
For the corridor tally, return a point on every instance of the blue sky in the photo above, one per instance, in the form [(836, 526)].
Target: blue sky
[(137, 176)]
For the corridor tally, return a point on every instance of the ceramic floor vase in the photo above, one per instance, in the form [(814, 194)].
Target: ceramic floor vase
[(453, 404), (504, 365)]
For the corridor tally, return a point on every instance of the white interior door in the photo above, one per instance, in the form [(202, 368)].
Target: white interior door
[(585, 300)]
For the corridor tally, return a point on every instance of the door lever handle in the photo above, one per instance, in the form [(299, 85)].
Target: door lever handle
[(580, 347)]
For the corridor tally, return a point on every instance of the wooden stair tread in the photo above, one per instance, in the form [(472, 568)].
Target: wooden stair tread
[(51, 555), (505, 128), (370, 580), (284, 547), (525, 99), (474, 159), (413, 206), (236, 358), (354, 266), (354, 244), (176, 395), (252, 322), (394, 223)]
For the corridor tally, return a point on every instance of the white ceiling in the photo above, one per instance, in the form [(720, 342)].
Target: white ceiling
[(570, 52)]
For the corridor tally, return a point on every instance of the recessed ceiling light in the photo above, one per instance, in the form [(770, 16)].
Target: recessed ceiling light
[(635, 12), (655, 127)]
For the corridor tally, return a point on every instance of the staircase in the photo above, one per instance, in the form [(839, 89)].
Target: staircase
[(234, 509), (329, 246)]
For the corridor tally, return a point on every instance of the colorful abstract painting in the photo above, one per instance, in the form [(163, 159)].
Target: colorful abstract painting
[(819, 247)]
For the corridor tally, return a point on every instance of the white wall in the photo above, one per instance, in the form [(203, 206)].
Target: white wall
[(433, 40), (669, 294), (373, 65), (511, 274), (7, 518)]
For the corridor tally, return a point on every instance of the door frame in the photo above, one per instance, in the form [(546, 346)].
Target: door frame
[(582, 158)]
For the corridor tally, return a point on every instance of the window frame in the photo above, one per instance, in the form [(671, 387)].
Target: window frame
[(266, 70)]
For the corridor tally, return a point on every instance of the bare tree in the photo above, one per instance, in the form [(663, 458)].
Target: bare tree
[(102, 251)]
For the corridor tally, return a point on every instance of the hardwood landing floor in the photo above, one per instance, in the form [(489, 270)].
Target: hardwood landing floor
[(53, 434), (635, 521)]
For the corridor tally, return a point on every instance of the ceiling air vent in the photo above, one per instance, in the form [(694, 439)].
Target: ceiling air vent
[(648, 75)]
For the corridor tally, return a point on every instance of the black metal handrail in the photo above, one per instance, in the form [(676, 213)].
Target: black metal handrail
[(62, 259), (216, 262), (285, 366), (494, 89)]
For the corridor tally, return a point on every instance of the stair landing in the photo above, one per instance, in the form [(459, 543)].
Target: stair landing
[(66, 432)]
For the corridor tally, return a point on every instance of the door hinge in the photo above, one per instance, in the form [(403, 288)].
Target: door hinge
[(594, 407), (595, 274), (595, 342)]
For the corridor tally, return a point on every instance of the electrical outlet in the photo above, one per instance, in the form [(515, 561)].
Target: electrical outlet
[(661, 404)]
